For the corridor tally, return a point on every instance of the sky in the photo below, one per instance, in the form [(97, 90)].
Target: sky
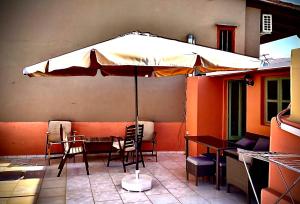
[(280, 48), (292, 1)]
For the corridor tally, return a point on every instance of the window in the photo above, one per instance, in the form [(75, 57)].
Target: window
[(277, 95), (226, 38)]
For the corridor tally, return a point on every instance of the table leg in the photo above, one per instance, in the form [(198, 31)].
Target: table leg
[(186, 155), (186, 148), (218, 170)]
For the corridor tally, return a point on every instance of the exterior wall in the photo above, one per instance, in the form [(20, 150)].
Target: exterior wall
[(28, 138), (255, 107), (192, 111), (87, 99), (210, 104), (284, 142), (33, 31), (252, 39), (295, 84), (255, 103), (204, 109)]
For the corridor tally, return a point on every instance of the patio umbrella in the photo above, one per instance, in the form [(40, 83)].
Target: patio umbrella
[(140, 54)]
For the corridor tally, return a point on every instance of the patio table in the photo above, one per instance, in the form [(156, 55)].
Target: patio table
[(98, 144), (210, 142)]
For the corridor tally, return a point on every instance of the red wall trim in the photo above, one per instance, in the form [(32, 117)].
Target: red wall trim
[(229, 28), (28, 138)]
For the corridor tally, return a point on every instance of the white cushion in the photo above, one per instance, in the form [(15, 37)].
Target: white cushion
[(54, 130), (200, 161), (117, 146), (75, 150), (148, 130)]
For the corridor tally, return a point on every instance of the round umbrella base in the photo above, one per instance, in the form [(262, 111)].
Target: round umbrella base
[(133, 183)]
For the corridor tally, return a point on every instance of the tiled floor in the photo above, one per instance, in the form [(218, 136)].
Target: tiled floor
[(103, 185)]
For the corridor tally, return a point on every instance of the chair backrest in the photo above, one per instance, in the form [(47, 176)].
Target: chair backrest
[(148, 130), (54, 130), (64, 137), (130, 136)]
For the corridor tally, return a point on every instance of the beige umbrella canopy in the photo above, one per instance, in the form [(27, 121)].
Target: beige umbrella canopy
[(140, 54), (151, 54)]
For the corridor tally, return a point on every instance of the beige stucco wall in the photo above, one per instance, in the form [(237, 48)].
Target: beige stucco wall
[(252, 39), (295, 84), (34, 30)]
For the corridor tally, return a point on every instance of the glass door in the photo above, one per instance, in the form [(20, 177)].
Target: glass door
[(236, 109)]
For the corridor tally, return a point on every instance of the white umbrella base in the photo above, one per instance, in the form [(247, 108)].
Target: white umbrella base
[(137, 182)]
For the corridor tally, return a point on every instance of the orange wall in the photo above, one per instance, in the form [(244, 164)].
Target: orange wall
[(22, 138), (192, 111), (255, 103), (192, 105), (204, 109), (206, 114), (210, 106), (28, 138), (281, 141), (255, 107), (207, 105)]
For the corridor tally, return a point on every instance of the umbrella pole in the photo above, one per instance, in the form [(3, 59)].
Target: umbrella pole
[(136, 118)]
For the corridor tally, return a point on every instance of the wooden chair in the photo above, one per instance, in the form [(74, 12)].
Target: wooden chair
[(72, 146), (149, 138), (53, 138), (126, 146)]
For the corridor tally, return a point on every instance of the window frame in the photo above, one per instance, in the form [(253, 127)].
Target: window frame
[(279, 100), (230, 28)]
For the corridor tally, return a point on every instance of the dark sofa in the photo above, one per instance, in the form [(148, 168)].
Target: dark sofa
[(236, 174)]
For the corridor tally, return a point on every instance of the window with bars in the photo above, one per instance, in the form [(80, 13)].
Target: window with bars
[(277, 96), (226, 38)]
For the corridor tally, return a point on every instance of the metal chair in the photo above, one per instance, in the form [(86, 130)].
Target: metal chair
[(72, 146), (53, 139), (149, 137), (126, 146)]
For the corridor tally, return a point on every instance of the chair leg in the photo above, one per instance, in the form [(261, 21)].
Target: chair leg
[(133, 156), (142, 158), (109, 158), (154, 149), (123, 160), (228, 188), (61, 165), (109, 154), (46, 150), (61, 161), (49, 155), (86, 163)]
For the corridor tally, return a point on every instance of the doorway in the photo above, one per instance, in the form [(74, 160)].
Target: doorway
[(236, 109)]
